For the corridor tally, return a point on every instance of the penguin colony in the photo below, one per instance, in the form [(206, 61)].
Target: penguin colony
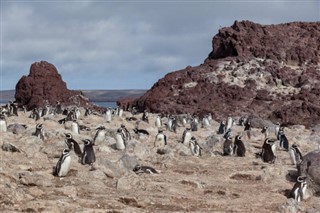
[(232, 145)]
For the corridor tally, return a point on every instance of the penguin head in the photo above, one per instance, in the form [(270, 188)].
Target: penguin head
[(101, 128), (66, 151), (86, 142), (39, 126), (68, 135), (302, 179), (269, 141), (238, 137), (137, 168)]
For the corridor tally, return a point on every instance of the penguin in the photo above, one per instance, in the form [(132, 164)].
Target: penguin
[(265, 131), (75, 129), (141, 132), (139, 169), (108, 115), (194, 125), (172, 124), (3, 123), (120, 112), (62, 121), (229, 123), (186, 136), (221, 128), (77, 113), (160, 140), (195, 147), (228, 146), (14, 109), (58, 108), (63, 165), (209, 116), (247, 128), (295, 155), (125, 132), (145, 116), (120, 141), (39, 131), (72, 144), (24, 107), (131, 118), (158, 122), (100, 135), (239, 147), (88, 111), (268, 151), (228, 134), (241, 121), (299, 189), (284, 144), (88, 156), (205, 122), (45, 110)]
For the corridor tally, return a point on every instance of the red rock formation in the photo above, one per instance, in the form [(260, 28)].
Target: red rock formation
[(44, 84), (267, 70)]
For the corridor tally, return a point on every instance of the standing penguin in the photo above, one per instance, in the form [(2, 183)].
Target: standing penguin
[(205, 122), (228, 146), (125, 132), (63, 165), (295, 154), (100, 135), (172, 124), (3, 123), (268, 151), (158, 121), (145, 116), (39, 132), (229, 123), (299, 189), (221, 128), (195, 147), (161, 140), (120, 141), (108, 115), (284, 144), (186, 136), (194, 124), (75, 129), (247, 128), (88, 156), (239, 147), (72, 144)]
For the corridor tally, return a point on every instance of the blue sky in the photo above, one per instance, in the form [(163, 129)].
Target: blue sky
[(124, 44)]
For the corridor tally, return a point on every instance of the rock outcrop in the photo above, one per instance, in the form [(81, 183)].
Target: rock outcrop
[(44, 85), (271, 71)]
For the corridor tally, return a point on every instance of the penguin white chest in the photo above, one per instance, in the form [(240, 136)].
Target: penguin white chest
[(108, 116), (187, 138), (3, 126), (159, 143), (100, 137), (75, 128), (158, 122), (119, 142), (65, 167)]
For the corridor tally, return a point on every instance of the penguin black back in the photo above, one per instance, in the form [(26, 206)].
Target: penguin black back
[(72, 144), (88, 155), (239, 147), (268, 151)]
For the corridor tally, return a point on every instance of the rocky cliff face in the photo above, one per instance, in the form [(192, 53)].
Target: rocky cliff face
[(272, 71), (44, 85)]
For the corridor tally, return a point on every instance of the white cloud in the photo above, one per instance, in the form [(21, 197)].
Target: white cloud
[(125, 40)]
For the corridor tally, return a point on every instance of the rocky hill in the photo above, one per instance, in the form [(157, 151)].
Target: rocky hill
[(272, 71)]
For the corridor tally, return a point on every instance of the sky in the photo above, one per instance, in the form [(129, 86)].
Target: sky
[(121, 44)]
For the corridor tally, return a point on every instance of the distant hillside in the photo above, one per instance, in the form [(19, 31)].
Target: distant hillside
[(93, 95), (111, 95)]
